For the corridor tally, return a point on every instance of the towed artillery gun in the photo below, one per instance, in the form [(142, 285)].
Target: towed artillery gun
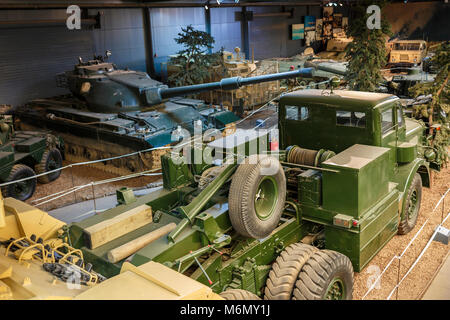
[(112, 112), (347, 177), (24, 154)]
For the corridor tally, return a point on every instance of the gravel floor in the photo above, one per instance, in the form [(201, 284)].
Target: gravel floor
[(419, 278), (80, 176)]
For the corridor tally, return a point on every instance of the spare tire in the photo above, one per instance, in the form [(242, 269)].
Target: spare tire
[(257, 195)]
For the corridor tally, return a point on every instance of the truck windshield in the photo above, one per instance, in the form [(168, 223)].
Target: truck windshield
[(387, 121), (407, 46)]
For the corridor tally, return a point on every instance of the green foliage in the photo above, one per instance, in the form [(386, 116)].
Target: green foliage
[(367, 51), (194, 61), (439, 107)]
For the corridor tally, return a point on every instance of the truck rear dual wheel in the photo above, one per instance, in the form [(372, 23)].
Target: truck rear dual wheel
[(238, 294), (51, 160), (20, 190), (285, 271), (302, 272), (257, 195), (412, 206)]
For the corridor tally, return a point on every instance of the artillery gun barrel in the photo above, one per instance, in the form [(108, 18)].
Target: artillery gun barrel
[(232, 83)]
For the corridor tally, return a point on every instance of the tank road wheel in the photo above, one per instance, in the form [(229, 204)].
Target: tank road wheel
[(412, 206), (51, 160), (285, 271), (238, 294), (257, 195), (327, 275), (20, 190)]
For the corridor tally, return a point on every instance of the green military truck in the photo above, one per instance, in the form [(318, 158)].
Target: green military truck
[(24, 154), (347, 177)]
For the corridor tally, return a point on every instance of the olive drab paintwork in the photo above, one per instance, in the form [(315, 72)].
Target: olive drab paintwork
[(22, 147), (348, 158)]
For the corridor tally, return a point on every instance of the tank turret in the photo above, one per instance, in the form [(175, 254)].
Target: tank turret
[(108, 89)]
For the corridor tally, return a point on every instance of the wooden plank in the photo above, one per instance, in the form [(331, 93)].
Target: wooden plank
[(113, 228), (137, 244)]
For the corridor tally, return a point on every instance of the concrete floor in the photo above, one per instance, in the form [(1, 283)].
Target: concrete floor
[(440, 286), (82, 210)]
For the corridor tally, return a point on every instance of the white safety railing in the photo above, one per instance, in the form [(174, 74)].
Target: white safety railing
[(399, 257)]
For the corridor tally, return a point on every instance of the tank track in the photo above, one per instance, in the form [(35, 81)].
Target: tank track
[(81, 150)]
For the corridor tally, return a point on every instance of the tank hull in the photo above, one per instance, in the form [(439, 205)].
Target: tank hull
[(91, 136)]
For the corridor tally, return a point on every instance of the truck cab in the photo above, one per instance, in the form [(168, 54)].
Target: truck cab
[(378, 154), (317, 119)]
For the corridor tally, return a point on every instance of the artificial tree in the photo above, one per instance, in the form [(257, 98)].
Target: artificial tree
[(194, 60), (367, 52)]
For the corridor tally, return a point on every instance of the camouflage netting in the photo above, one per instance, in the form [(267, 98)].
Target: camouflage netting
[(436, 100)]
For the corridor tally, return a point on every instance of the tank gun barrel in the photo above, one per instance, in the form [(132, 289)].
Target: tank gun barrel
[(326, 68), (224, 84)]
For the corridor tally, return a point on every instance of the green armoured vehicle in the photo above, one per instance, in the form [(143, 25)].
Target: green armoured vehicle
[(294, 222), (24, 154), (111, 112)]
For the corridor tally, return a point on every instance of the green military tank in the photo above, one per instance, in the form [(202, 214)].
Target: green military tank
[(400, 84), (24, 154), (111, 112), (289, 221)]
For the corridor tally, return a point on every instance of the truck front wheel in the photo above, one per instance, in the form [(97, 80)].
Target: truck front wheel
[(20, 190), (327, 275), (412, 206)]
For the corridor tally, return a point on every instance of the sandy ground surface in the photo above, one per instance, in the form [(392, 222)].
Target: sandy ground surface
[(420, 277), (76, 176)]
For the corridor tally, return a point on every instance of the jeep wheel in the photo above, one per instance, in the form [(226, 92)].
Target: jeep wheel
[(257, 195), (238, 294), (285, 271), (51, 160), (412, 206), (20, 190), (327, 275)]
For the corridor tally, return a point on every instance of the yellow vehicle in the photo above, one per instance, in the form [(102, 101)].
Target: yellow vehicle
[(32, 241), (407, 52)]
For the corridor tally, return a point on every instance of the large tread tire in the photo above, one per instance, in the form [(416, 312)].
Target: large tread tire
[(243, 192), (238, 294), (285, 271), (51, 159), (20, 171), (408, 222), (323, 267)]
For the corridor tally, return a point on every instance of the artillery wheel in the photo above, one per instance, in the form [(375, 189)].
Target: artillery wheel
[(257, 195), (238, 294), (327, 275), (285, 271), (20, 190), (412, 206), (51, 160)]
